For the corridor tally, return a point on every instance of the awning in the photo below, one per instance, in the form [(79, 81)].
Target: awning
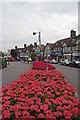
[(55, 54)]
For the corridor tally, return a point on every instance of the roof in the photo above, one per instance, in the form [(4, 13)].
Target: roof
[(41, 47), (68, 41), (31, 48), (51, 45)]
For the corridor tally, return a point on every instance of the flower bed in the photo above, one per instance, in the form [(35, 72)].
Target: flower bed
[(41, 65), (40, 94)]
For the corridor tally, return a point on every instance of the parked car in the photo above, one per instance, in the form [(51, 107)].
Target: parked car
[(11, 59), (3, 62), (6, 59), (75, 64), (53, 61), (46, 60), (28, 60), (62, 62), (65, 62)]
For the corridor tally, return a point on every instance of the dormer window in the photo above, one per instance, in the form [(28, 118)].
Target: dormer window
[(56, 44), (64, 45)]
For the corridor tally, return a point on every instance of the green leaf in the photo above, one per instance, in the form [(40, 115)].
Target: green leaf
[(12, 115), (53, 107), (41, 97), (13, 102), (30, 95)]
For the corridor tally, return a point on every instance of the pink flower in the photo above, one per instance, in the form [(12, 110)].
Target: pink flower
[(46, 100), (40, 115), (25, 114), (6, 114), (75, 111), (67, 114), (38, 100), (17, 113), (44, 91), (59, 108), (44, 107), (58, 93), (33, 118)]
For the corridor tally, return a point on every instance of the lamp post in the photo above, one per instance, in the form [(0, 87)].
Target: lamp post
[(61, 44), (47, 59), (71, 49), (39, 38)]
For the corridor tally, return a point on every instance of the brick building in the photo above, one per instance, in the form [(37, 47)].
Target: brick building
[(67, 48)]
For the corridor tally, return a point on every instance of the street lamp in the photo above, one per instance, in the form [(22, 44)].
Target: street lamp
[(47, 59), (71, 49), (61, 45), (39, 36)]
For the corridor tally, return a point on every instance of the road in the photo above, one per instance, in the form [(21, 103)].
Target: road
[(13, 71), (71, 74)]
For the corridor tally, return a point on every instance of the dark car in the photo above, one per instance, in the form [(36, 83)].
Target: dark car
[(75, 64)]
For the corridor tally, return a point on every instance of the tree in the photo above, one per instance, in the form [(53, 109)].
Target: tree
[(14, 53), (33, 55)]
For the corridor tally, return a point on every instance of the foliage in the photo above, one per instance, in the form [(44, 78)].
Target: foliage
[(14, 53)]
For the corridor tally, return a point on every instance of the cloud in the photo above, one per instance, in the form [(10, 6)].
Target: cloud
[(79, 17), (40, 0), (21, 19)]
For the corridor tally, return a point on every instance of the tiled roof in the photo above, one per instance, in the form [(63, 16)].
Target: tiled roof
[(41, 47), (51, 45), (68, 41)]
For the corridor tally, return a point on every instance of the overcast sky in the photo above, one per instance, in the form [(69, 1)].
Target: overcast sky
[(20, 19)]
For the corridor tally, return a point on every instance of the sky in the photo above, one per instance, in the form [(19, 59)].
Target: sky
[(20, 19)]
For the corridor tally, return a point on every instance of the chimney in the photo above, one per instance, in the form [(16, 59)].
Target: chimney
[(35, 44), (24, 45), (15, 47), (72, 33)]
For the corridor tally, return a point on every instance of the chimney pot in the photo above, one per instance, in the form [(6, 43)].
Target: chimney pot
[(24, 45), (15, 47), (72, 33)]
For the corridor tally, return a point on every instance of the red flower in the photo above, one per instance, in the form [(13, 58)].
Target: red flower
[(58, 93), (40, 115), (33, 118), (67, 114), (6, 114), (59, 108), (42, 66), (46, 93), (44, 107), (75, 111), (25, 114), (17, 113)]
